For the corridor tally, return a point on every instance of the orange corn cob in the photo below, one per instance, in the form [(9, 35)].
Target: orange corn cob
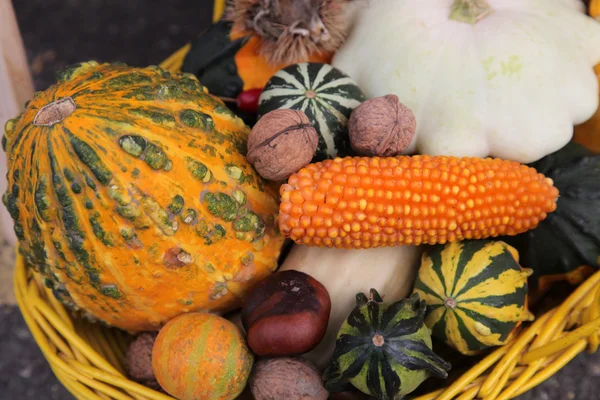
[(366, 202)]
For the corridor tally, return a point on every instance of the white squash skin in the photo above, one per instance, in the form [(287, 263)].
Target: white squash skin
[(345, 273), (511, 86)]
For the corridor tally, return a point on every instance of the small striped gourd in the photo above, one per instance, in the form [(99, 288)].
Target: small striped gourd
[(476, 293), (325, 94), (384, 349), (201, 356), (131, 195)]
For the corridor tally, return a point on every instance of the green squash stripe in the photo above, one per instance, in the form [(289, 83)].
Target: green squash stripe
[(90, 158), (373, 312), (231, 361), (16, 139), (373, 375), (436, 257), (357, 320), (389, 376), (422, 286), (504, 259), (472, 342), (469, 248), (498, 327), (357, 365), (517, 298), (418, 356), (99, 232), (438, 329), (347, 343), (38, 247), (74, 235), (197, 354)]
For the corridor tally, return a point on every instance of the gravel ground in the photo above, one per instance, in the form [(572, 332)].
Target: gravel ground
[(138, 32)]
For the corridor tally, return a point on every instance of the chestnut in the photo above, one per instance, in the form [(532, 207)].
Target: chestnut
[(286, 314)]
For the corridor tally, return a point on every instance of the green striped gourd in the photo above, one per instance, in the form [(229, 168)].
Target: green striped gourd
[(325, 94), (476, 293), (384, 349), (131, 196)]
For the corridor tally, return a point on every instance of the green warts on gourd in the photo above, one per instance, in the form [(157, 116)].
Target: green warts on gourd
[(235, 172), (152, 154), (189, 216), (248, 221), (110, 290), (195, 119), (239, 196), (470, 11), (221, 205), (198, 170), (89, 157), (176, 205), (54, 112), (72, 71), (210, 233)]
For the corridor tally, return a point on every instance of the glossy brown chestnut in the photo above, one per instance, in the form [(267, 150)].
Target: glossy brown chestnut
[(286, 314)]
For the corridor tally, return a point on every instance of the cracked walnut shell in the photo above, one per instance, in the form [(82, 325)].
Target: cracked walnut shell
[(281, 143)]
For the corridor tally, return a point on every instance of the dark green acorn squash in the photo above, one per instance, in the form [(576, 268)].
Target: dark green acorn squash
[(570, 236), (384, 350)]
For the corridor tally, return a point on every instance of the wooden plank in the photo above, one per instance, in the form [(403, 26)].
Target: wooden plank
[(16, 87)]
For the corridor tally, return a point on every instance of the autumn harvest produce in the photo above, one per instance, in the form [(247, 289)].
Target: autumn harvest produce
[(476, 293), (381, 127), (286, 314), (281, 221), (482, 73), (325, 94), (201, 356), (362, 202), (384, 349), (344, 272), (253, 40), (282, 142), (125, 181)]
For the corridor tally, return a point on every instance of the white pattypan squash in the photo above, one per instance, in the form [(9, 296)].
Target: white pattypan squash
[(506, 78)]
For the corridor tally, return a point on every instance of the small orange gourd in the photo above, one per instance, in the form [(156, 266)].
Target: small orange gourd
[(201, 356)]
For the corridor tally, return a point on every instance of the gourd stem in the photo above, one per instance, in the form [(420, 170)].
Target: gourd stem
[(470, 11), (54, 112), (450, 302)]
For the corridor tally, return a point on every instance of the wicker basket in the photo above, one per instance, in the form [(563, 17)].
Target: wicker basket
[(88, 359)]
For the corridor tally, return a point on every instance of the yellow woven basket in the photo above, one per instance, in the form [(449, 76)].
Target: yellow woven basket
[(88, 359)]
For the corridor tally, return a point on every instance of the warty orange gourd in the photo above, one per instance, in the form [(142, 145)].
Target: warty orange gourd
[(131, 195)]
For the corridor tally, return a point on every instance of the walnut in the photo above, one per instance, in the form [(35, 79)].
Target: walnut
[(381, 126), (286, 378), (281, 143)]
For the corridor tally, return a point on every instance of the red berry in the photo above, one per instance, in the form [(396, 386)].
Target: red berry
[(248, 101)]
